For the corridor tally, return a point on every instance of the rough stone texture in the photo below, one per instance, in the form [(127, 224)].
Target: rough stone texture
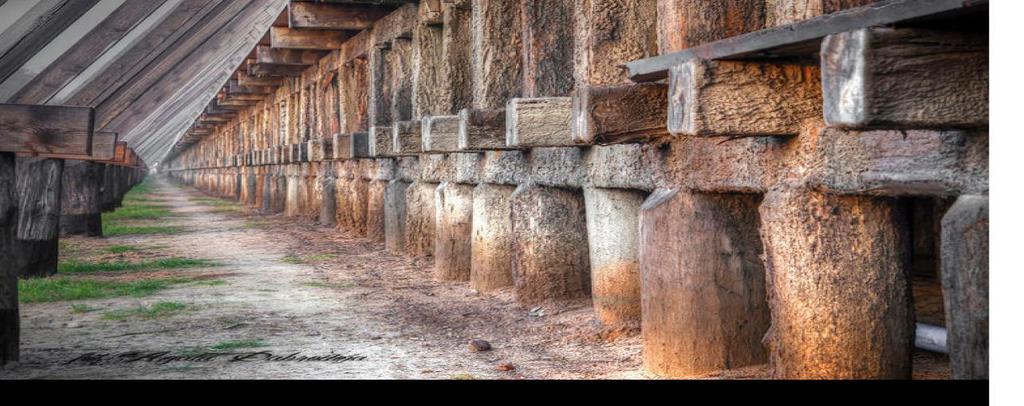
[(559, 167), (453, 205), (440, 133), (375, 210), (419, 219), (734, 98), (626, 166), (942, 163), (704, 303), (547, 47), (329, 208), (436, 168), (549, 244), (837, 271), (359, 196), (407, 168), (612, 233), (905, 78), (497, 52), (687, 23), (465, 167), (491, 257), (394, 216), (781, 12), (503, 167), (608, 33), (379, 141), (406, 138), (965, 286)]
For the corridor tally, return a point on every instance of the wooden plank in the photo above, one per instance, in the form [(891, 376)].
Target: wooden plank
[(622, 113), (281, 37), (802, 38), (34, 129), (334, 16), (244, 79), (266, 69), (45, 31), (85, 51)]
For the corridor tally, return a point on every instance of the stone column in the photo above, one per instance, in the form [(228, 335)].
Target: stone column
[(549, 233), (453, 205), (837, 277), (704, 304), (491, 246), (965, 285), (612, 233), (394, 216), (419, 219)]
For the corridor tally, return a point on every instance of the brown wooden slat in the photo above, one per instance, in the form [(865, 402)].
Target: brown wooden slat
[(35, 129), (334, 16)]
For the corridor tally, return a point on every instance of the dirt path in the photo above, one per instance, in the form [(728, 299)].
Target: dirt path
[(296, 287)]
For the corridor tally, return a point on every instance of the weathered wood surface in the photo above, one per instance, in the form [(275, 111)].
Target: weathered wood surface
[(547, 47), (394, 216), (837, 271), (491, 244), (51, 24), (905, 78), (379, 141), (608, 33), (349, 146), (282, 37), (39, 192), (31, 129), (453, 230), (687, 23), (612, 224), (287, 56), (801, 38), (781, 12), (700, 257), (440, 133), (81, 199), (481, 129), (406, 138), (615, 114), (735, 98), (965, 282), (334, 16), (539, 122), (497, 52), (10, 321)]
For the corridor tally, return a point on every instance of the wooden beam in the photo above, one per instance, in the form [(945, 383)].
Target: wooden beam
[(244, 79), (281, 37), (35, 129), (287, 56), (266, 69), (353, 17), (45, 31), (622, 113), (803, 39)]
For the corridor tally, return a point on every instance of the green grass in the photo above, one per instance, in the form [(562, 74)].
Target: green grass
[(137, 212), (163, 263), (236, 344), (111, 229), (82, 308), (61, 288), (121, 249), (322, 257), (214, 282), (153, 311), (291, 259)]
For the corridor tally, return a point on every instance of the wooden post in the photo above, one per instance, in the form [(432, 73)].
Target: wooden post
[(491, 245), (612, 234), (549, 248), (376, 191), (837, 277), (965, 286), (687, 23), (547, 47), (81, 199), (419, 219), (39, 193), (394, 215), (497, 52), (328, 207), (538, 122), (10, 321), (700, 257), (453, 205)]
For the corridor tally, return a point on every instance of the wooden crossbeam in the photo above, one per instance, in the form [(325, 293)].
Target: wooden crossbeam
[(266, 69), (54, 130), (334, 16), (245, 80), (287, 56), (281, 37), (803, 38)]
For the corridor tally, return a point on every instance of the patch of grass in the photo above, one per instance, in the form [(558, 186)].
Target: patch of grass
[(61, 288), (163, 263), (237, 344), (214, 282), (291, 259), (137, 212), (121, 249), (82, 308), (328, 285), (154, 311), (115, 229)]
